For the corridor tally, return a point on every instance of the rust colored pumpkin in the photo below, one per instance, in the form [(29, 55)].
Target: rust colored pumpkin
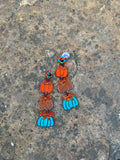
[(64, 85), (46, 102), (46, 87), (61, 71)]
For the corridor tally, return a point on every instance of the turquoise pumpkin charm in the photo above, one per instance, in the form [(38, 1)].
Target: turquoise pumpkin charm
[(46, 119), (41, 122), (69, 101)]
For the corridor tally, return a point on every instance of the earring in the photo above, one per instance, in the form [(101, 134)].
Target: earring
[(64, 84), (46, 116)]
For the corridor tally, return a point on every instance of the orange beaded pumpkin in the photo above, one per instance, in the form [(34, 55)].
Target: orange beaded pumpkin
[(46, 87), (61, 71)]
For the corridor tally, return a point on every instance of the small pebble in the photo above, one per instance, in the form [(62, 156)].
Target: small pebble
[(12, 144), (5, 106), (50, 53), (119, 115), (102, 156), (102, 8), (28, 2)]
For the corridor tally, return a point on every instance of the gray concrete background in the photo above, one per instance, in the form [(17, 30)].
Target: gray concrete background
[(33, 33)]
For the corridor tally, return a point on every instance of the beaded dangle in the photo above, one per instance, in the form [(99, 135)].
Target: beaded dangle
[(64, 84), (46, 116)]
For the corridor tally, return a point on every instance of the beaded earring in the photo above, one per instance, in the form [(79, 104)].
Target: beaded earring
[(46, 116), (64, 84)]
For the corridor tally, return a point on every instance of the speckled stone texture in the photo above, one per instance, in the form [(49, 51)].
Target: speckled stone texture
[(33, 34)]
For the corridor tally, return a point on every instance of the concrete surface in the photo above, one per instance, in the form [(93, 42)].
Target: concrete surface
[(33, 33)]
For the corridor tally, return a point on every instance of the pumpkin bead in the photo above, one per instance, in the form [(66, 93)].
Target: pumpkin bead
[(46, 102), (64, 85), (46, 87), (61, 71), (46, 119)]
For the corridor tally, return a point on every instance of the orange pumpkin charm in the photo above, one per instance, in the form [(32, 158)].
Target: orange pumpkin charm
[(46, 87), (46, 102), (61, 71)]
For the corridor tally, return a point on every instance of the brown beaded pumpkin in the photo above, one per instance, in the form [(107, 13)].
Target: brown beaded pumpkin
[(64, 85), (46, 102)]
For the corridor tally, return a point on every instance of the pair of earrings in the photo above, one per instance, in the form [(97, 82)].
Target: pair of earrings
[(69, 101)]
